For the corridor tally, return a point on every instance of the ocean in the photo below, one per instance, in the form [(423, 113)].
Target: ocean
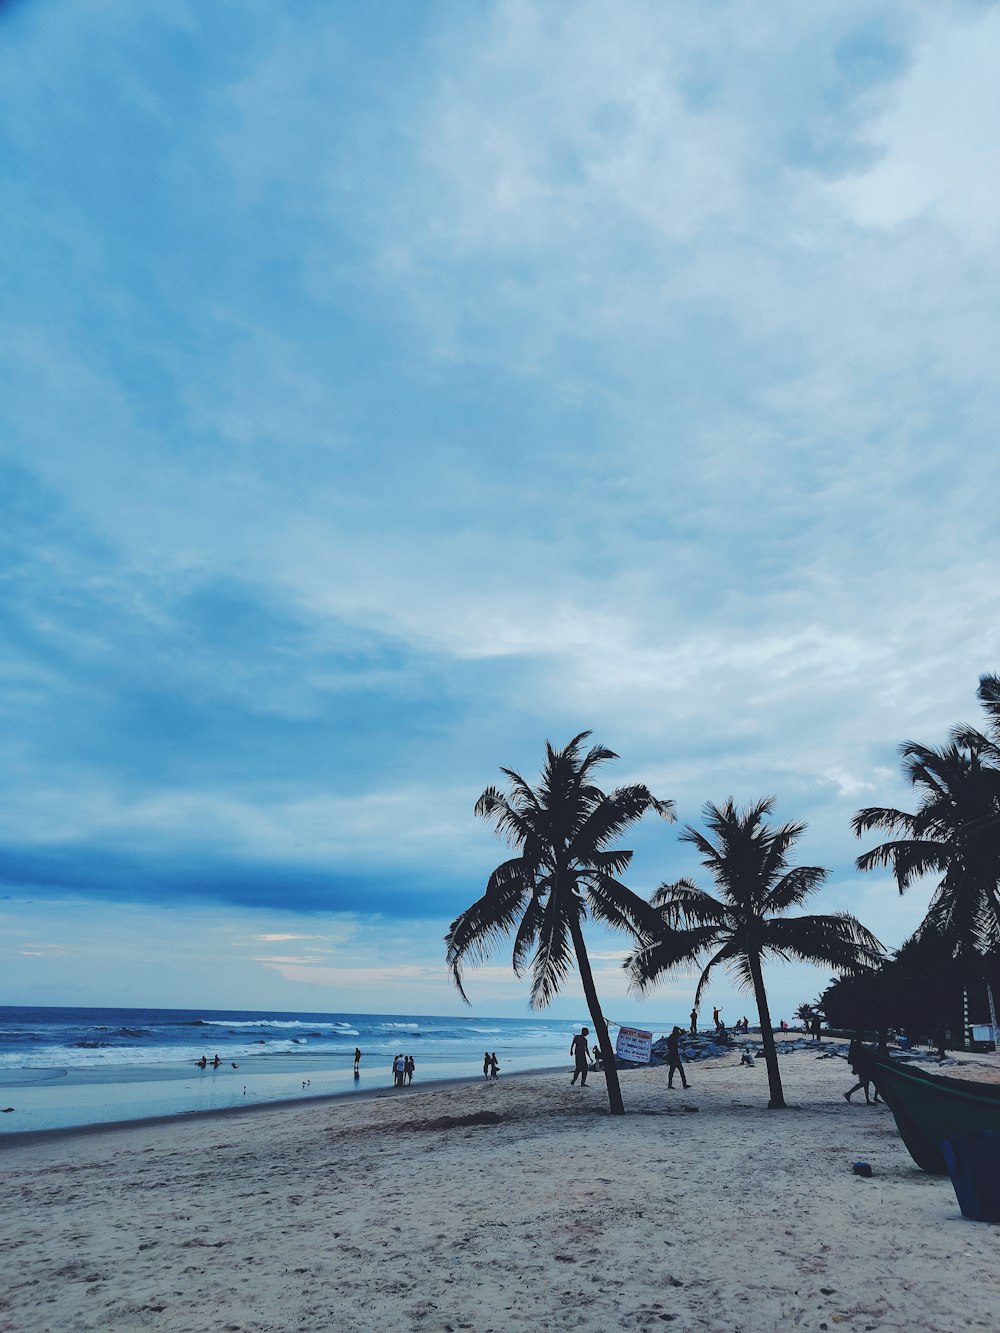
[(67, 1067)]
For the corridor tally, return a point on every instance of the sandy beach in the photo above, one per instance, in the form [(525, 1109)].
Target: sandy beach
[(698, 1210)]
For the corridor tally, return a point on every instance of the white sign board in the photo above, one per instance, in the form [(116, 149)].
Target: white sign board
[(634, 1044)]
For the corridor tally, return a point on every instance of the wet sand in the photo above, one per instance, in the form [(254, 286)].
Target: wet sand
[(698, 1210)]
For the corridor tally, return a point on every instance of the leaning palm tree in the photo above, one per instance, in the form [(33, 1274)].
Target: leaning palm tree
[(748, 860), (565, 870), (954, 833)]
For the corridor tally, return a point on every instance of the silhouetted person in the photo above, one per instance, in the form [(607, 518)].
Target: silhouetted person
[(409, 1065), (694, 1022), (494, 1065), (941, 1040), (578, 1050), (357, 1058), (720, 1027), (216, 1062), (862, 1062), (486, 1064), (674, 1058), (816, 1026)]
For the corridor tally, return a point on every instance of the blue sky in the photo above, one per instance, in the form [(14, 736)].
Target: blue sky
[(384, 390)]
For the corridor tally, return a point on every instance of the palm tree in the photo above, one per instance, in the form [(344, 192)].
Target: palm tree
[(746, 923), (955, 832), (565, 869)]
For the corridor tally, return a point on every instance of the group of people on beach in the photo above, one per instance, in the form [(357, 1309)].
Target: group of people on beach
[(741, 1024), (402, 1070)]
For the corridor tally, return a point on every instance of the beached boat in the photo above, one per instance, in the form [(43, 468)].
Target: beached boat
[(929, 1107)]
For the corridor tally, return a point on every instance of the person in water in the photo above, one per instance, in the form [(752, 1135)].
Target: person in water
[(357, 1058), (578, 1050), (674, 1058)]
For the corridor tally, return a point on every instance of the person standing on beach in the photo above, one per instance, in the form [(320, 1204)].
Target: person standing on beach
[(578, 1050), (409, 1065), (719, 1025), (357, 1058), (486, 1064), (674, 1058), (494, 1065), (694, 1022)]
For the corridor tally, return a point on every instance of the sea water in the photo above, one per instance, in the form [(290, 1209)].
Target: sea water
[(61, 1068)]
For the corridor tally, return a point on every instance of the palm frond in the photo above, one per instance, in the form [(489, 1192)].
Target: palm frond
[(793, 888), (527, 932), (613, 814), (684, 903), (617, 906), (884, 818), (669, 951), (837, 940), (554, 954), (477, 931), (908, 858), (729, 953)]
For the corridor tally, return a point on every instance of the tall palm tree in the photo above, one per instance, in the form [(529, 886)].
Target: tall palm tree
[(748, 860), (565, 869), (954, 832)]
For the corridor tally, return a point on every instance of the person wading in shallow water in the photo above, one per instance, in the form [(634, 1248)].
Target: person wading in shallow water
[(674, 1057), (578, 1050)]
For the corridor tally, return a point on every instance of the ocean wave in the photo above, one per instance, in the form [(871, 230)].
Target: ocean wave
[(256, 1023), (399, 1025)]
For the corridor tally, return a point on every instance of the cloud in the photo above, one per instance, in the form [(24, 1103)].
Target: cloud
[(376, 408)]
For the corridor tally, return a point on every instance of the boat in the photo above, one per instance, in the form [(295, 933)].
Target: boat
[(929, 1107)]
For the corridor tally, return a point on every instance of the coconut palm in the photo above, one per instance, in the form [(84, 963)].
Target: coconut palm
[(565, 870), (746, 924), (954, 833)]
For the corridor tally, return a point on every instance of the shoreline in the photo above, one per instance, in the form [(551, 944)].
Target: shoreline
[(16, 1138)]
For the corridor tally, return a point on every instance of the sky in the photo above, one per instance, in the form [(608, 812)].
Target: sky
[(387, 389)]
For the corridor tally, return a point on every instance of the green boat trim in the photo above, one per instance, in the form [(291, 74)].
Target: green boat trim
[(931, 1107)]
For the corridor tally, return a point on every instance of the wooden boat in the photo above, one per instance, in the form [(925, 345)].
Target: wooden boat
[(929, 1108)]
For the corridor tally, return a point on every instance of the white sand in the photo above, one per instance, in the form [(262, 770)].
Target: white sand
[(356, 1216)]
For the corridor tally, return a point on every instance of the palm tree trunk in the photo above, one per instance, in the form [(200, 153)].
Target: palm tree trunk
[(777, 1096), (617, 1106)]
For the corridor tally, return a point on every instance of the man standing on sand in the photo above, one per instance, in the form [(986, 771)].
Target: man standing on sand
[(357, 1058), (694, 1022), (717, 1020), (578, 1050), (674, 1057)]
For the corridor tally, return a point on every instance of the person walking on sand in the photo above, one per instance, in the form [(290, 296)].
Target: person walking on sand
[(859, 1057), (357, 1058), (674, 1058), (578, 1050), (486, 1064), (494, 1065), (694, 1022)]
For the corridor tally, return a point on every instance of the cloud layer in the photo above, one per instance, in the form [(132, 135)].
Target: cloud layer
[(381, 397)]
